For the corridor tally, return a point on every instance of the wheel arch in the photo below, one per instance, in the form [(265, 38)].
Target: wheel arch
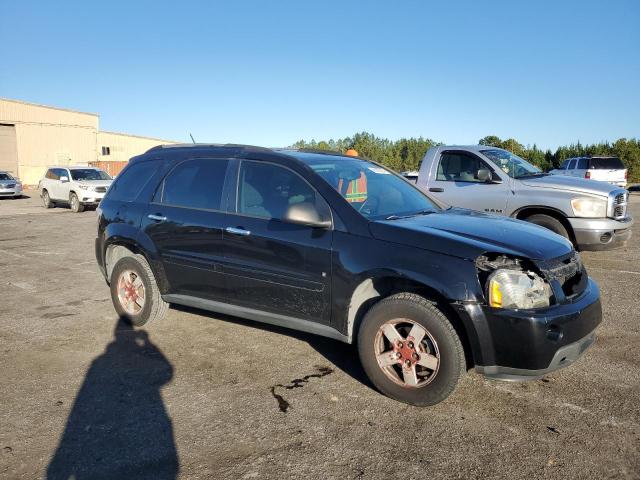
[(118, 247), (525, 212), (373, 289)]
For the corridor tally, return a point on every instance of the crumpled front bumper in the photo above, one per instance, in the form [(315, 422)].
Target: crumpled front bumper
[(527, 344)]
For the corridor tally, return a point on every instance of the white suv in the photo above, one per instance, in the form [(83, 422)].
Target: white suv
[(602, 168), (78, 187)]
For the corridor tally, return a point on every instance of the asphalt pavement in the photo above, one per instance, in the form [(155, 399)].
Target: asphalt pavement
[(200, 395)]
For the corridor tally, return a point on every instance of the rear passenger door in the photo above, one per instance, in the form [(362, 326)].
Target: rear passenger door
[(185, 221), (270, 264)]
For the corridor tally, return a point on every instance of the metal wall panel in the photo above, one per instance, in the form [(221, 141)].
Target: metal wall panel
[(8, 149)]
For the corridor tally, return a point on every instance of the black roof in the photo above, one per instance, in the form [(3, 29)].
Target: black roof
[(239, 150)]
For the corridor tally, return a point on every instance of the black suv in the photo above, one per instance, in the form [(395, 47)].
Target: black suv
[(343, 247)]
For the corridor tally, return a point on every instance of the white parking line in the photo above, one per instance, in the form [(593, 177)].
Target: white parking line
[(613, 271)]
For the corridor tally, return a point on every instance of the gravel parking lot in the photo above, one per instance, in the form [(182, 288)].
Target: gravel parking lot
[(198, 395)]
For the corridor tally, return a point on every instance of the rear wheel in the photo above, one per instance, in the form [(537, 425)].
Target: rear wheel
[(410, 350), (74, 201), (550, 223), (46, 199), (134, 292)]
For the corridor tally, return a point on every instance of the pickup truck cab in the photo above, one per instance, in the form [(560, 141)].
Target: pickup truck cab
[(593, 215), (345, 248), (600, 168)]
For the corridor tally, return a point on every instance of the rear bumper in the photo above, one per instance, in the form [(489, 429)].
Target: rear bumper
[(527, 344), (601, 233)]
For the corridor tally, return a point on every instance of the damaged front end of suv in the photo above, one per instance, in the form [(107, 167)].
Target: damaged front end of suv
[(538, 315)]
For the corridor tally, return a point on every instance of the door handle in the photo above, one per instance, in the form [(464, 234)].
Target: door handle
[(436, 189), (157, 218), (237, 231)]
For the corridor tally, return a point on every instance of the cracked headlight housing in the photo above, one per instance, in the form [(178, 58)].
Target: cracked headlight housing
[(515, 289)]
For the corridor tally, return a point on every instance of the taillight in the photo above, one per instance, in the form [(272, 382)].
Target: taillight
[(587, 174)]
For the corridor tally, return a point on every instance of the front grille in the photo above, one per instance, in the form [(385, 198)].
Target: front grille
[(568, 271), (619, 205), (100, 189), (8, 185)]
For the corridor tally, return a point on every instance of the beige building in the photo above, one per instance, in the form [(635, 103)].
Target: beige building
[(33, 137)]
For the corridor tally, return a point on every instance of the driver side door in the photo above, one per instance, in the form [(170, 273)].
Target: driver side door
[(456, 183)]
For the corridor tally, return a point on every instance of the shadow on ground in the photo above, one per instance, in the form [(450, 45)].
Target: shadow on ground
[(341, 355), (118, 426)]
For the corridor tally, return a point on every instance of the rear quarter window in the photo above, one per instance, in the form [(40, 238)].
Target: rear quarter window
[(131, 181)]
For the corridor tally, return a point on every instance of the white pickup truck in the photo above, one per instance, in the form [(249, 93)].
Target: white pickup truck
[(593, 215), (600, 168)]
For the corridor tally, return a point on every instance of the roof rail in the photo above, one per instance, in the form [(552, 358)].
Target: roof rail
[(207, 145)]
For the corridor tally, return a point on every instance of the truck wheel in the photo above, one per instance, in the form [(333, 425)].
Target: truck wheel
[(134, 292), (410, 351), (550, 223), (46, 199), (76, 206)]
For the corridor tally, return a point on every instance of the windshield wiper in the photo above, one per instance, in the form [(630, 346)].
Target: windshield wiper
[(533, 174), (421, 212)]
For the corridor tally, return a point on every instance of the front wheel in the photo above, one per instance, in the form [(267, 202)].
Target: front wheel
[(46, 200), (410, 350), (134, 292), (74, 201), (549, 223)]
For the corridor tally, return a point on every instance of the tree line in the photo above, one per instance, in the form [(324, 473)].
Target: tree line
[(407, 153)]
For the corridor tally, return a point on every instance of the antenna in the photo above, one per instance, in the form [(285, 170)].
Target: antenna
[(192, 138)]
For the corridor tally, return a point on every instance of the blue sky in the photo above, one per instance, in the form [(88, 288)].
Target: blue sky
[(273, 72)]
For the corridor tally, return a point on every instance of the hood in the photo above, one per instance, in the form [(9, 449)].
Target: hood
[(573, 184), (95, 183), (467, 234)]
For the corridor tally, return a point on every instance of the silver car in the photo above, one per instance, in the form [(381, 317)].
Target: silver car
[(10, 186)]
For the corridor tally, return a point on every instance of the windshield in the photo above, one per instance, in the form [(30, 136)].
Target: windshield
[(5, 176), (511, 164), (374, 191), (89, 174)]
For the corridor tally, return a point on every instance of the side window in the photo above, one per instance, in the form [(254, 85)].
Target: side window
[(583, 163), (572, 165), (266, 190), (51, 174), (196, 184), (131, 181), (61, 172), (458, 167), (565, 164)]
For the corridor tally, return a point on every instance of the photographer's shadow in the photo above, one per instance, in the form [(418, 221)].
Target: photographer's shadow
[(118, 427)]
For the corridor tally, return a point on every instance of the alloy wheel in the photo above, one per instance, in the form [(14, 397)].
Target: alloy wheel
[(407, 353), (131, 292)]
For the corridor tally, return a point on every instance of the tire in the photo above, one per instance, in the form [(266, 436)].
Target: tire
[(46, 199), (549, 223), (76, 206), (441, 340), (152, 308)]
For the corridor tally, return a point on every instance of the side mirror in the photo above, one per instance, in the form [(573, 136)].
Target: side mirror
[(64, 179), (485, 175), (306, 214)]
